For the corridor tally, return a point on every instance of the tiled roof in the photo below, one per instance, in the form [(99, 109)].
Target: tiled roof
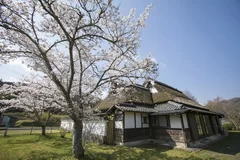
[(203, 111), (170, 112), (170, 106), (136, 109), (173, 107)]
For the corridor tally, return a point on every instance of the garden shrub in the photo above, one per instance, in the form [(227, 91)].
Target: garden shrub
[(228, 126)]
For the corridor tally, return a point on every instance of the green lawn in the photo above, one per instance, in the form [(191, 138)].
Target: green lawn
[(52, 146)]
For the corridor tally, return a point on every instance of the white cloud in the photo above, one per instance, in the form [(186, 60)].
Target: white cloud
[(14, 70), (11, 79), (19, 62)]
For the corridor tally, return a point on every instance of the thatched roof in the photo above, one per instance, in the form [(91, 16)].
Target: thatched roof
[(130, 94), (167, 93), (138, 94)]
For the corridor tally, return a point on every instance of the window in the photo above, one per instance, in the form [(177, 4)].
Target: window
[(145, 120), (160, 121), (153, 122), (199, 126), (118, 117), (163, 121), (205, 124)]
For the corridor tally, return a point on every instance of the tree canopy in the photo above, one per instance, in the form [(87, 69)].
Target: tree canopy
[(82, 46)]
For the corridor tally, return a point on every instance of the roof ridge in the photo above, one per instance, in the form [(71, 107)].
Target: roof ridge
[(139, 86), (166, 85)]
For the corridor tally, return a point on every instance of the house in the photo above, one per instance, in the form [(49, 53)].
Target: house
[(158, 113), (1, 116), (8, 121)]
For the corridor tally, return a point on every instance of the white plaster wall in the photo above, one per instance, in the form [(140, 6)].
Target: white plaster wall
[(129, 120), (138, 120), (175, 121), (119, 124), (185, 122), (93, 127), (67, 124)]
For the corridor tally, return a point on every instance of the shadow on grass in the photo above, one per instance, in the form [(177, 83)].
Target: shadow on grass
[(229, 145), (128, 153), (27, 139), (45, 155)]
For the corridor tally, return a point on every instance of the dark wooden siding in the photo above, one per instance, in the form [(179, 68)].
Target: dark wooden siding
[(193, 125), (208, 124), (136, 134), (188, 135), (214, 124)]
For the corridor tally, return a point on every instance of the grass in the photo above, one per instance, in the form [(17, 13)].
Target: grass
[(38, 147)]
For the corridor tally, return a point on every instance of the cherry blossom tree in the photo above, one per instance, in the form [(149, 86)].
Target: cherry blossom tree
[(82, 46), (35, 97)]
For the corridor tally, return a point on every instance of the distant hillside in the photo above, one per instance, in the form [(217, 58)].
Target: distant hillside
[(2, 83), (233, 102)]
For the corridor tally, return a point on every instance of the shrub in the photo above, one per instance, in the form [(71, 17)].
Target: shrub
[(228, 126), (62, 132), (27, 123), (54, 121)]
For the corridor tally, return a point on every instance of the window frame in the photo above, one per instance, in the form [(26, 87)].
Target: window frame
[(117, 119), (156, 120), (145, 118), (199, 125)]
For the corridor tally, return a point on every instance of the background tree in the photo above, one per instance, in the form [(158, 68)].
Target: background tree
[(190, 95), (230, 108), (82, 46), (35, 97)]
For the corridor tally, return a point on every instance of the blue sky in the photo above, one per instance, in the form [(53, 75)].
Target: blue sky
[(196, 43)]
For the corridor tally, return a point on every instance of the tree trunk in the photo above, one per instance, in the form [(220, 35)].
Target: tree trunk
[(78, 150), (31, 129), (43, 130)]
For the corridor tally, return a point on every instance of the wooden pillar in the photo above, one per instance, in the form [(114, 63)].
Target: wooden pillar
[(184, 135), (189, 126), (135, 120)]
